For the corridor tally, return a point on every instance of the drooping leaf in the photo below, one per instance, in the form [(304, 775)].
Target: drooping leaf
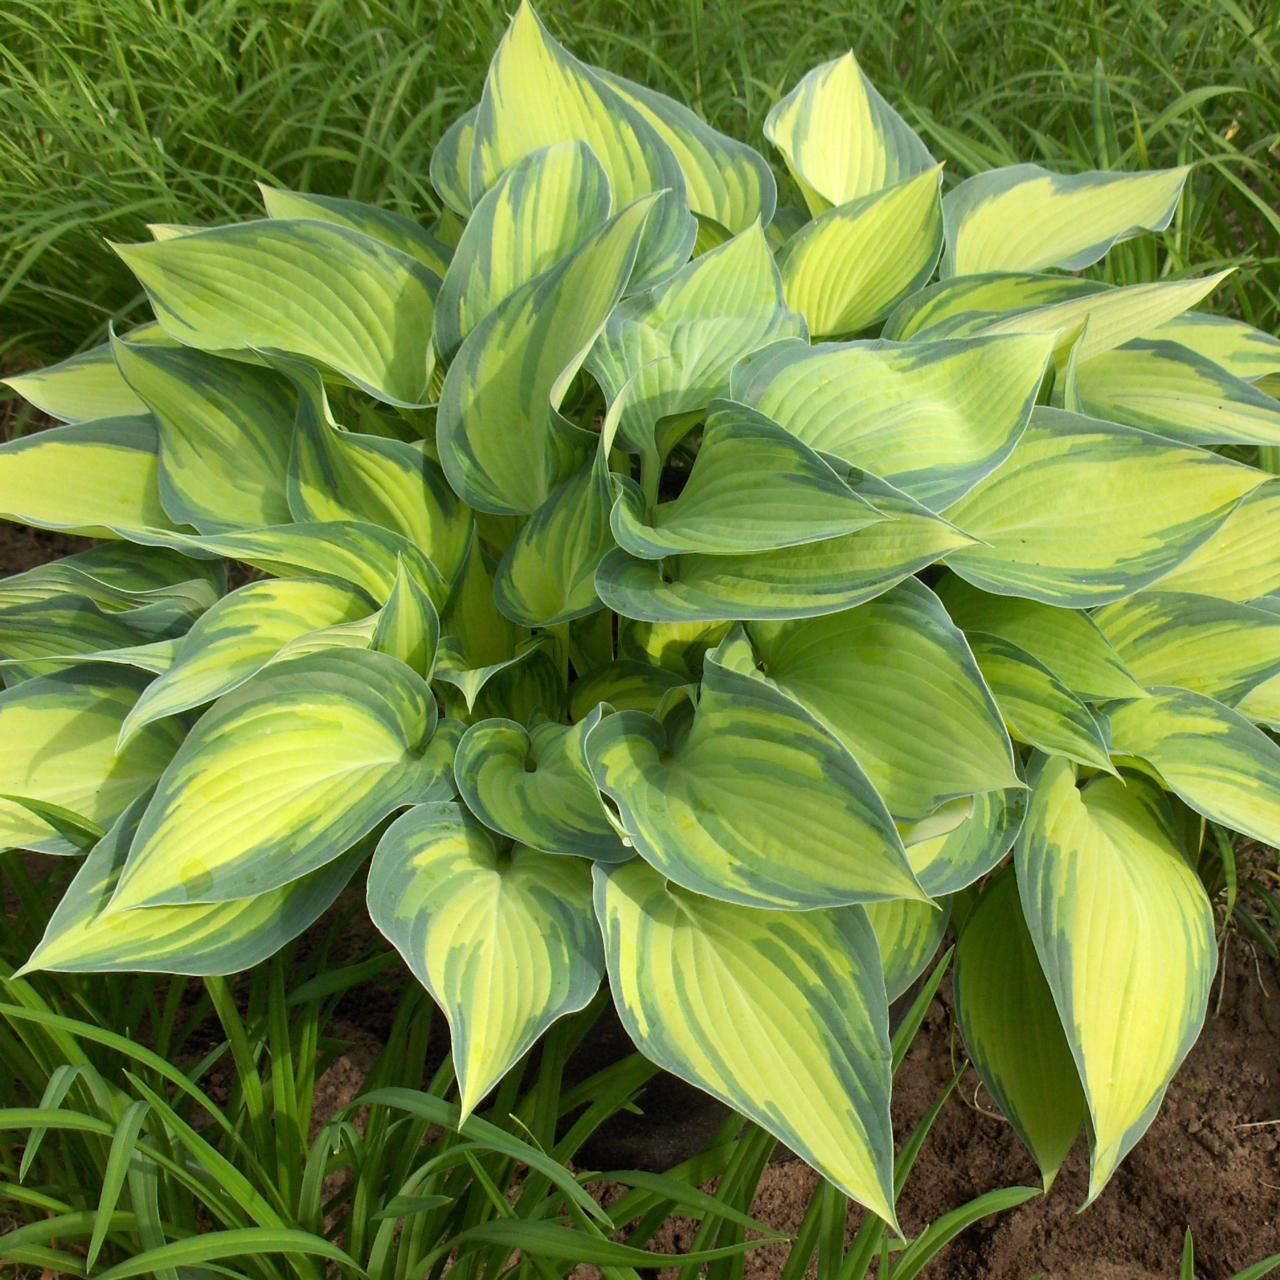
[(58, 745), (537, 213), (793, 582), (80, 389), (394, 229), (237, 637), (1214, 647), (1025, 218), (348, 475), (282, 776), (1038, 708), (1067, 641), (841, 139), (1240, 559), (505, 941), (533, 785), (207, 411), (1106, 891), (1127, 507), (502, 442), (1207, 754), (85, 935), (845, 270), (537, 94), (1239, 348), (371, 324), (908, 934), (872, 675), (932, 418), (782, 1015), (99, 479), (1171, 391), (750, 800), (1011, 1028)]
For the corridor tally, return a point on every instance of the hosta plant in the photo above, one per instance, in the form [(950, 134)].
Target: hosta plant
[(657, 587)]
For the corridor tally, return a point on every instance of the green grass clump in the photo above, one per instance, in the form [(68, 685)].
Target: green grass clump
[(124, 112)]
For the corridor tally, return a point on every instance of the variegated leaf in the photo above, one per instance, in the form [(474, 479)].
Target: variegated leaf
[(407, 626), (1107, 893), (932, 418), (793, 582), (753, 487), (691, 975), (1011, 1028), (533, 785), (1126, 508), (1171, 391), (671, 348), (727, 182), (845, 270), (370, 324), (1207, 754), (1025, 218), (282, 776), (394, 229), (625, 685), (841, 139), (908, 934), (1239, 348), (80, 389), (1067, 641), (451, 163), (749, 799), (207, 411), (537, 94), (503, 444), (237, 637), (948, 858), (1038, 708), (868, 674), (348, 475), (58, 746), (537, 213), (98, 479), (1240, 559), (964, 304), (1214, 647), (505, 940), (85, 935), (547, 575)]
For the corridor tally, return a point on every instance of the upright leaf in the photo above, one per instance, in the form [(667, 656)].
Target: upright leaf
[(537, 94), (841, 139)]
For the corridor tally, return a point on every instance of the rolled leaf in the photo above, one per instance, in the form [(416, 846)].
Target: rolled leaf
[(908, 934), (1011, 1028)]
